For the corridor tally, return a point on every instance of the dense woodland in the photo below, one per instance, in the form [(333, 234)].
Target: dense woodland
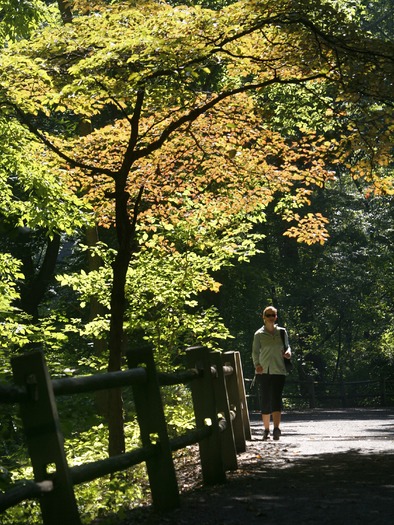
[(167, 170)]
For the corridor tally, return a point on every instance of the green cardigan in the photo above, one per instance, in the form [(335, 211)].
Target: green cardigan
[(268, 350)]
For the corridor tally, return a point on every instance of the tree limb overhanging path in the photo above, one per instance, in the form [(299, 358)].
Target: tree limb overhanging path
[(330, 466)]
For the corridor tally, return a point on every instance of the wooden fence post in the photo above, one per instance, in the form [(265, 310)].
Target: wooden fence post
[(205, 411), (242, 396), (382, 384), (241, 393), (311, 392), (151, 419), (229, 454), (343, 393), (235, 402), (44, 439)]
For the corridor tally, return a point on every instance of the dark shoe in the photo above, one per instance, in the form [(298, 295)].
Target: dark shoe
[(266, 435), (277, 433)]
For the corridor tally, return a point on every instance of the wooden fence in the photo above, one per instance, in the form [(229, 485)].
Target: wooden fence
[(311, 394), (221, 415)]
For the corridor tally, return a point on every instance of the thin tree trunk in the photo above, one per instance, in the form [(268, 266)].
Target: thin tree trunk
[(65, 10), (118, 305), (339, 353), (120, 266), (125, 228), (33, 291)]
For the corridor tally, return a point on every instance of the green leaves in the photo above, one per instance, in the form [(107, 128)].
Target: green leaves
[(34, 193), (10, 273), (19, 18)]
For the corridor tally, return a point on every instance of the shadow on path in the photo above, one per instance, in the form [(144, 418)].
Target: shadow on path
[(329, 467), (333, 488)]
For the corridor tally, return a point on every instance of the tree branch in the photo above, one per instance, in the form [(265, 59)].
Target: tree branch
[(197, 112), (25, 120), (129, 156)]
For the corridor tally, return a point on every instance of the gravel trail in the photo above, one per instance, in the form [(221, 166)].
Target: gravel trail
[(329, 467)]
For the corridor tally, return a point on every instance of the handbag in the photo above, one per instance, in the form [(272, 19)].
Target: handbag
[(288, 362)]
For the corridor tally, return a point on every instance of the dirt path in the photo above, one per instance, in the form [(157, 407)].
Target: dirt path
[(329, 467)]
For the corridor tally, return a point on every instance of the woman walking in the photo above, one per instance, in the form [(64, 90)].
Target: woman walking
[(268, 354)]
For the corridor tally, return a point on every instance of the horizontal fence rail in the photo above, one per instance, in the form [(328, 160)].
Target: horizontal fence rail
[(326, 394), (221, 415)]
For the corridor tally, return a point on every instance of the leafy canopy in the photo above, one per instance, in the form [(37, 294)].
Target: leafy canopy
[(153, 69)]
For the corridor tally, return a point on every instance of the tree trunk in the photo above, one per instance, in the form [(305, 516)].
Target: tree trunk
[(125, 233), (65, 10), (36, 285), (115, 401), (339, 353)]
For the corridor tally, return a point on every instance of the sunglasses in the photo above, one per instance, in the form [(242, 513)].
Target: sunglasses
[(269, 315)]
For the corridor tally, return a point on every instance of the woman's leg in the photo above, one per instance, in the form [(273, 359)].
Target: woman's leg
[(266, 421), (265, 402), (278, 383), (276, 418), (266, 394)]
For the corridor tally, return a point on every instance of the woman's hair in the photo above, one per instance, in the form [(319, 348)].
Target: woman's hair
[(271, 309)]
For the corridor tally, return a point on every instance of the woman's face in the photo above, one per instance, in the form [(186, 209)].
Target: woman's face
[(269, 317)]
